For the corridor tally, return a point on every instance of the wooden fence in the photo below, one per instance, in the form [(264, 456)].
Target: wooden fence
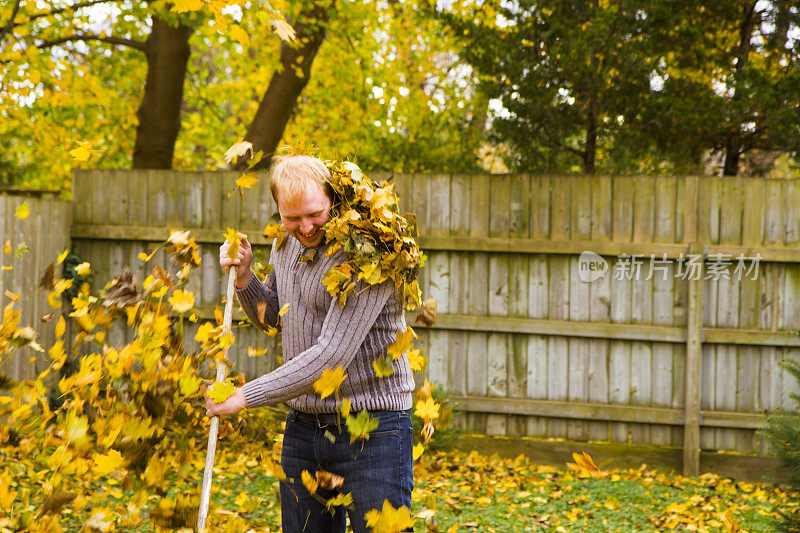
[(44, 233), (526, 343)]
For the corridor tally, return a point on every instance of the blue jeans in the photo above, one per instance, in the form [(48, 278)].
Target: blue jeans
[(374, 470)]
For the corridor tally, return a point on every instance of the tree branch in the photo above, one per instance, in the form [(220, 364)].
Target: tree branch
[(121, 41), (60, 10), (8, 27)]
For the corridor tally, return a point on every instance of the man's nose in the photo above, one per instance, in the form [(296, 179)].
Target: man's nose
[(306, 226)]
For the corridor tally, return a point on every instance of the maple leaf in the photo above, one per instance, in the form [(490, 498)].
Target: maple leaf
[(329, 480), (181, 301), (361, 426), (389, 519), (417, 361), (75, 427), (584, 465), (383, 366), (427, 409), (83, 269), (22, 211), (284, 309), (403, 343), (107, 463), (277, 232), (329, 382), (234, 238), (419, 449), (283, 30), (428, 314), (309, 482), (220, 392), (345, 407), (343, 500), (83, 152), (238, 150), (246, 181)]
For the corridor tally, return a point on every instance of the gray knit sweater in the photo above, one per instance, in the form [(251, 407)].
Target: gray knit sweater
[(317, 334)]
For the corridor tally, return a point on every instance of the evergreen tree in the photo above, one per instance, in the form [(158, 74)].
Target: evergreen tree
[(783, 433)]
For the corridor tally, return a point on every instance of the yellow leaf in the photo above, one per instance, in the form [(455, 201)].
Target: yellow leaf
[(83, 270), (181, 301), (383, 367), (221, 391), (75, 427), (403, 343), (7, 496), (62, 256), (83, 152), (61, 327), (309, 481), (330, 381), (345, 408), (7, 247), (189, 384), (107, 463), (22, 211), (389, 519), (283, 30), (419, 448), (416, 360), (186, 6), (246, 181), (234, 238), (284, 309), (427, 409)]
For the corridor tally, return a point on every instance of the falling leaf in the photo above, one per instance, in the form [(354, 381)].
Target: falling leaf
[(309, 481), (383, 366), (82, 153), (187, 6), (389, 519), (181, 301), (403, 343), (340, 500), (107, 463), (83, 269), (584, 465), (361, 426), (238, 150), (428, 314), (246, 181), (62, 256), (234, 238), (283, 29), (419, 448), (329, 480), (61, 327), (427, 409), (22, 211), (284, 310), (221, 391), (329, 382), (345, 407), (417, 361)]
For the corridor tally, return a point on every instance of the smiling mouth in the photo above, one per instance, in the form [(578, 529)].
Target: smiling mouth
[(311, 235)]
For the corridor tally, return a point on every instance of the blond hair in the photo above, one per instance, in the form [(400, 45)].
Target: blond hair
[(290, 177)]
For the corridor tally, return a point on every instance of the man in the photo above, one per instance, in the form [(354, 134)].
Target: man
[(319, 334)]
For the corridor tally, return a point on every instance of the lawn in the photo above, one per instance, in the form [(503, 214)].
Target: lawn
[(455, 491)]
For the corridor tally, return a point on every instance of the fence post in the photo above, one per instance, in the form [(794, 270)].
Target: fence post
[(694, 340)]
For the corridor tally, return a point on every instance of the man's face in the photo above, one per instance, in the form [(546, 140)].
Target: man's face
[(304, 219)]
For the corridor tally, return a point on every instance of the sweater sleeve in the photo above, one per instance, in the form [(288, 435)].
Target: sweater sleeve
[(256, 292), (343, 333)]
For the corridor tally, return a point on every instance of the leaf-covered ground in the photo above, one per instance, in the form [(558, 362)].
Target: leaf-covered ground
[(455, 491)]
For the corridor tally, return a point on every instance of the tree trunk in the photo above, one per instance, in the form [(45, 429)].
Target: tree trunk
[(285, 87), (734, 146), (159, 114)]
